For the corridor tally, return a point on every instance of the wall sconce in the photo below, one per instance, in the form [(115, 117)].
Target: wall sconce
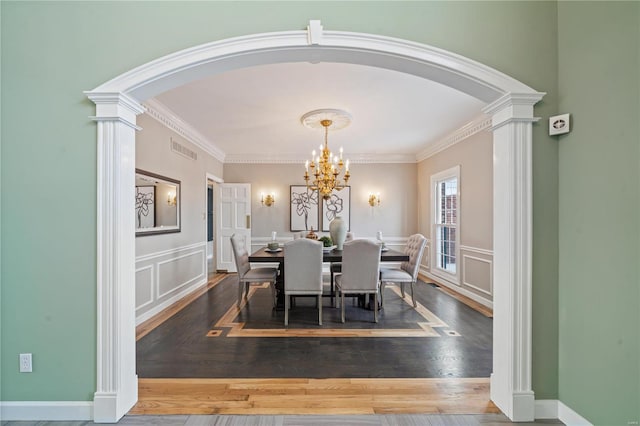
[(374, 199), (267, 200), (172, 199)]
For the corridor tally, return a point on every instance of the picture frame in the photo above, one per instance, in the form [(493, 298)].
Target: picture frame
[(145, 207), (157, 204), (339, 204), (304, 208)]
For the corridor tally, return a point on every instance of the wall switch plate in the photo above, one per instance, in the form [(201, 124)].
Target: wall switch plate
[(26, 365), (559, 124)]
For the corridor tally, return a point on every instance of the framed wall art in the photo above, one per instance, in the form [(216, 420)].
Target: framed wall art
[(304, 208), (339, 204)]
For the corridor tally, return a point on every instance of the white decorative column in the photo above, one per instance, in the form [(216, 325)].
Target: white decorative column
[(117, 382), (512, 118)]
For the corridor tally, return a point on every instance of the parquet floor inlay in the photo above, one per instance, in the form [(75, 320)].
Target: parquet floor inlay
[(211, 338), (422, 325)]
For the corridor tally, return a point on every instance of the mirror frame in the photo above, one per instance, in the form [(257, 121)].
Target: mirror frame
[(160, 229)]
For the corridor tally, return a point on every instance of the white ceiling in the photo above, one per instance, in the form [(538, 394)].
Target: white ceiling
[(254, 113)]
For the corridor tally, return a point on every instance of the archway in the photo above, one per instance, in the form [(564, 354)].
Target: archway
[(509, 103)]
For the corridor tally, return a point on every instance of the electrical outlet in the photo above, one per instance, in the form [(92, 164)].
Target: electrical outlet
[(25, 363)]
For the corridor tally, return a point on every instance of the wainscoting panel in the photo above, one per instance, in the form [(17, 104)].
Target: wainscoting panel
[(144, 286), (476, 273), (165, 277)]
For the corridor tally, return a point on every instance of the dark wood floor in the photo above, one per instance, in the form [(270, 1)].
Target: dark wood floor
[(458, 345)]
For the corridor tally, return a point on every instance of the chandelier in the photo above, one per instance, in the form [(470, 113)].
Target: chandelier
[(326, 167)]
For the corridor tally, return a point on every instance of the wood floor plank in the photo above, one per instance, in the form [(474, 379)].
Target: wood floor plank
[(313, 396), (149, 325)]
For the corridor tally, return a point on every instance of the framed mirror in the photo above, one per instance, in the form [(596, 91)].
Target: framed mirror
[(157, 204)]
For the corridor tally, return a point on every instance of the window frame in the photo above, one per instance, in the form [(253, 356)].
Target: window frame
[(436, 179)]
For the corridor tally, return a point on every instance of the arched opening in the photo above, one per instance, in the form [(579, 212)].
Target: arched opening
[(509, 103)]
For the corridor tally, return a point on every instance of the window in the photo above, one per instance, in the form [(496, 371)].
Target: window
[(445, 220)]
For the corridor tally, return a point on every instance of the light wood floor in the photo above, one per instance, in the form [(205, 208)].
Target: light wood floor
[(313, 396)]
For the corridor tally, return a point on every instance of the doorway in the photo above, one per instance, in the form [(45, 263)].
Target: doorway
[(509, 103)]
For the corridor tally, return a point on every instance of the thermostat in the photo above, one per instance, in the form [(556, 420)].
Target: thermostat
[(559, 124)]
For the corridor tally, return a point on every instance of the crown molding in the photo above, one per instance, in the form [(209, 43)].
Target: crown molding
[(173, 121), (477, 125), (292, 159)]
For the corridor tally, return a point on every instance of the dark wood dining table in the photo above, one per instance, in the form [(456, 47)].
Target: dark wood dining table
[(263, 255)]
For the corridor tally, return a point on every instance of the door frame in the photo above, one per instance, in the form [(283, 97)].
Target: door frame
[(509, 103), (215, 180)]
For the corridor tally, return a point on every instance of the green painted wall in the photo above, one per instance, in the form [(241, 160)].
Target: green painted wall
[(599, 74), (50, 55)]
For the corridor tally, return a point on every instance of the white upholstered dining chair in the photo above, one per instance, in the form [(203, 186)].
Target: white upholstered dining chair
[(336, 267), (408, 271), (248, 275), (360, 272), (302, 272)]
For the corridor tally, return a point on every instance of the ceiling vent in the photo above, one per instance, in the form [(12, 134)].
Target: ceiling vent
[(183, 150)]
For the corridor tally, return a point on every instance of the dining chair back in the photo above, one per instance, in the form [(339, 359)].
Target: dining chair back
[(248, 275), (336, 267), (408, 271), (360, 272), (302, 272)]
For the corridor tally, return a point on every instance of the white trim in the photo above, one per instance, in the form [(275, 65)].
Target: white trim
[(170, 301), (46, 410), (203, 257), (569, 417), (354, 158), (511, 389), (452, 70), (151, 285), (458, 289), (464, 274), (213, 178), (165, 116), (479, 124), (155, 255), (476, 250), (511, 116), (546, 409), (555, 409), (452, 172)]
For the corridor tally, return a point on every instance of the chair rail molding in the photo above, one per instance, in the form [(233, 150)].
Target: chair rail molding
[(511, 110)]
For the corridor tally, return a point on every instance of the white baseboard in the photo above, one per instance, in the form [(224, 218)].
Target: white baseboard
[(554, 409), (546, 409), (569, 417), (481, 300), (46, 410), (162, 306)]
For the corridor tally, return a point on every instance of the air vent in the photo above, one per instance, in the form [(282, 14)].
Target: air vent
[(183, 150)]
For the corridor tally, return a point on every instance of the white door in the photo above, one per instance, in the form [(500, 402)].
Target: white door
[(233, 216)]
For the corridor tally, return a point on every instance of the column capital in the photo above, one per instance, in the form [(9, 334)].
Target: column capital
[(115, 106), (513, 107)]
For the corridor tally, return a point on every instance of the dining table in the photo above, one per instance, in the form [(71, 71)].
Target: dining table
[(265, 255)]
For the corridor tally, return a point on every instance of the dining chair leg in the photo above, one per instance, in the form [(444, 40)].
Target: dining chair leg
[(240, 287), (375, 307), (320, 309), (286, 310), (413, 297), (382, 286), (402, 289), (342, 303), (333, 294), (273, 294)]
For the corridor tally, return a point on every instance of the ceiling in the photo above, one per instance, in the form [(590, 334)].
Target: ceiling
[(254, 113)]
